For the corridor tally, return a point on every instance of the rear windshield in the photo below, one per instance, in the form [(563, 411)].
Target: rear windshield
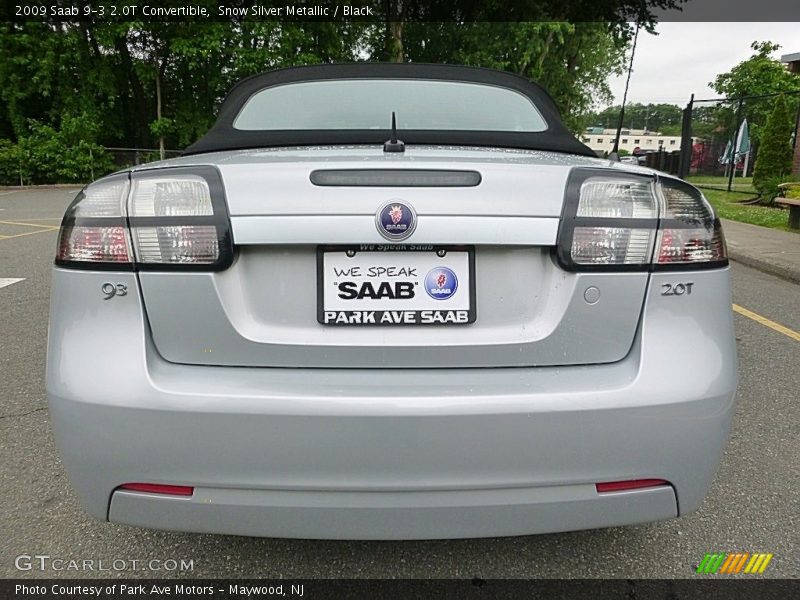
[(369, 103)]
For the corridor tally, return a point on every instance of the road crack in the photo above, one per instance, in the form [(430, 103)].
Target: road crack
[(25, 414)]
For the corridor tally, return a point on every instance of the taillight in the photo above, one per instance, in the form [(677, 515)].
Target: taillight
[(630, 222), (94, 231), (689, 234), (164, 219)]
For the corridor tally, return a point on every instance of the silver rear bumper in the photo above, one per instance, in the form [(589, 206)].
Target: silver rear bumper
[(393, 515), (391, 454)]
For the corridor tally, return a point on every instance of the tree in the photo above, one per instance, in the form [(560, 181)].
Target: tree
[(663, 118), (759, 75), (571, 60), (774, 159)]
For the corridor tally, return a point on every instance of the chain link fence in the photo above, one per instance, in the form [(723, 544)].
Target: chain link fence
[(721, 137)]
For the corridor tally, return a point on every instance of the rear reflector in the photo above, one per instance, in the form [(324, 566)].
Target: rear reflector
[(631, 484), (157, 488)]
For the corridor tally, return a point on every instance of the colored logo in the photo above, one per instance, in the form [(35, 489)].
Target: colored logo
[(734, 562), (396, 221), (441, 283)]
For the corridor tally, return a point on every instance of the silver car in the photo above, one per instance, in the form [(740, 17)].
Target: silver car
[(390, 302)]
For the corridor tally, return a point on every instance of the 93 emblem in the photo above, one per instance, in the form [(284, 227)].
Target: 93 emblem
[(111, 290)]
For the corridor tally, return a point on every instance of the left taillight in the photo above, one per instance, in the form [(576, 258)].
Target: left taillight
[(94, 232), (160, 219)]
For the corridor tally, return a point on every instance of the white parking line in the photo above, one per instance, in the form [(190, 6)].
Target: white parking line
[(4, 281)]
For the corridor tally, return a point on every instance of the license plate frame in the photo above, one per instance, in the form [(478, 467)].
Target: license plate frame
[(435, 316)]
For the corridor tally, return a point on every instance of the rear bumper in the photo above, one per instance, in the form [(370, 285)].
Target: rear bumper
[(390, 454), (393, 515)]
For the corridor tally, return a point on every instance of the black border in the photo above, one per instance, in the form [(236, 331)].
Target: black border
[(400, 248), (224, 136)]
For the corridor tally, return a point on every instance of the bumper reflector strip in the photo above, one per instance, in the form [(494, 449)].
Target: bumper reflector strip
[(157, 488), (631, 484)]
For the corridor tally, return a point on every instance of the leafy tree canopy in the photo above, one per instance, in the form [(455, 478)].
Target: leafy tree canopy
[(145, 83), (759, 75)]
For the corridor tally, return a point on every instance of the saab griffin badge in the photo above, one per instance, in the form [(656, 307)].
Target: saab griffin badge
[(396, 220)]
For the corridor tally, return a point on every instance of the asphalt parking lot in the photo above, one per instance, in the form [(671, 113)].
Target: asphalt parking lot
[(753, 506)]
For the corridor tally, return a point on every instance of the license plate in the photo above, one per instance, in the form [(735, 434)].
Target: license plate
[(396, 285)]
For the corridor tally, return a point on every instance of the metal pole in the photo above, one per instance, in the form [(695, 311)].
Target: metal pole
[(733, 144), (686, 140), (615, 150)]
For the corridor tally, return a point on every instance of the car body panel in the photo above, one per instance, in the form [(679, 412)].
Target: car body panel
[(660, 412)]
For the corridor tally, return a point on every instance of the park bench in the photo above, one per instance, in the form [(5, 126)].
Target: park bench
[(792, 203)]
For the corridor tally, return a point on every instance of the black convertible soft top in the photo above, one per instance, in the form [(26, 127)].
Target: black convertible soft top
[(224, 136)]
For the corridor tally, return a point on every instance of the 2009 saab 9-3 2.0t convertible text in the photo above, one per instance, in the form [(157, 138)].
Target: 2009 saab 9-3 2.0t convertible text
[(390, 302)]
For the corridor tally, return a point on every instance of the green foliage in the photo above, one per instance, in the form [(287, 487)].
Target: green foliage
[(162, 126), (654, 117), (571, 60), (13, 170), (48, 155), (774, 158), (758, 75), (137, 82)]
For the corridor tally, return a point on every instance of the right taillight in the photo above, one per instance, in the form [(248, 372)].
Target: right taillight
[(161, 219), (614, 220), (689, 234)]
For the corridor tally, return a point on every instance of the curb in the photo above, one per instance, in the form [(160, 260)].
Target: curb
[(791, 274)]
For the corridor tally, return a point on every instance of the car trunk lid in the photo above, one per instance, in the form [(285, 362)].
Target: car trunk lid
[(264, 310)]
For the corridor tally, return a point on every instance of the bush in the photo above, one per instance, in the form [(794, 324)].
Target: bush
[(770, 188), (12, 169), (48, 155), (774, 159)]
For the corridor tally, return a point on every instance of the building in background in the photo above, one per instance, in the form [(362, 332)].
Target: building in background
[(634, 141), (792, 61)]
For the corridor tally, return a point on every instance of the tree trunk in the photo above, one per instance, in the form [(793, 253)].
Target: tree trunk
[(135, 130), (158, 113), (395, 21), (394, 50), (161, 68)]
